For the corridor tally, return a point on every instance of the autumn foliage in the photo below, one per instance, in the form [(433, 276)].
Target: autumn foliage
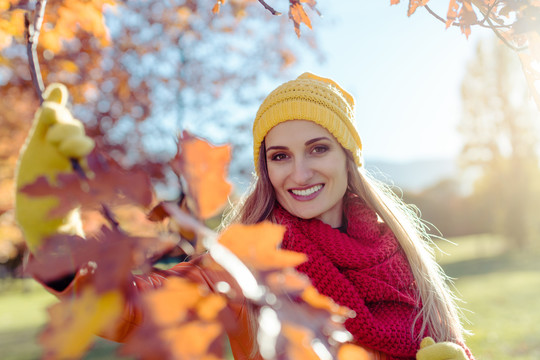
[(129, 230)]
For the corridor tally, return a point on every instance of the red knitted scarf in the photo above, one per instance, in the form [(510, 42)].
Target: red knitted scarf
[(363, 269)]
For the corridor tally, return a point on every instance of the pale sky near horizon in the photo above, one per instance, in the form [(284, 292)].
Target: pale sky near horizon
[(404, 72)]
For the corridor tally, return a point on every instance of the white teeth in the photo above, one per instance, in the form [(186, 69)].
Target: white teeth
[(307, 192)]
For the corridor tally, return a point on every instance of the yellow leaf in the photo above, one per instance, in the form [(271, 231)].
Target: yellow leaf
[(12, 26), (74, 323), (5, 40), (69, 66)]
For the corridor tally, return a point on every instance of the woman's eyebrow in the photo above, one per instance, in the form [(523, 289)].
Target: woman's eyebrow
[(309, 142), (316, 139), (277, 147)]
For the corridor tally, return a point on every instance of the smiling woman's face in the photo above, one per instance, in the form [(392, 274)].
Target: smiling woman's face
[(307, 168)]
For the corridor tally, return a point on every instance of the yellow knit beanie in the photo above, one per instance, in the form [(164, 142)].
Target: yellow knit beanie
[(312, 98)]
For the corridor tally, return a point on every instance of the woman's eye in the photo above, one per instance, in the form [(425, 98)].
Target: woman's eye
[(278, 157), (320, 149)]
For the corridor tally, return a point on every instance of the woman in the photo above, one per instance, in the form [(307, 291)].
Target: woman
[(366, 250)]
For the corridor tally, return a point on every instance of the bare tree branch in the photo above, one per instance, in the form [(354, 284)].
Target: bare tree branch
[(33, 29), (436, 16), (488, 12), (505, 41), (269, 8), (490, 25)]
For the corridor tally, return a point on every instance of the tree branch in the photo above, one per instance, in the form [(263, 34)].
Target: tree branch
[(490, 25), (488, 12), (269, 8), (499, 35), (434, 14), (33, 29)]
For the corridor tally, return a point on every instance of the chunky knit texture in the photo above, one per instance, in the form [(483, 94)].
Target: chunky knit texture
[(365, 270), (312, 98)]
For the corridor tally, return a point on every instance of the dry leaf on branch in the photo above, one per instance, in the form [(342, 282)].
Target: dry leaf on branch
[(204, 168)]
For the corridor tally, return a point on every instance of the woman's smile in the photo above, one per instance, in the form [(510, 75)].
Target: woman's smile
[(306, 194)]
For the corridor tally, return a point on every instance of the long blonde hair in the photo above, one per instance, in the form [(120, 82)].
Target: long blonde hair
[(439, 311)]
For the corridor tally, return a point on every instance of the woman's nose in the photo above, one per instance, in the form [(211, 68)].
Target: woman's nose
[(302, 172)]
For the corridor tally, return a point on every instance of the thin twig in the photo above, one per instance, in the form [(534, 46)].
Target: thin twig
[(33, 29), (490, 25), (499, 35), (269, 8), (76, 166), (488, 12), (434, 14), (109, 216), (479, 23)]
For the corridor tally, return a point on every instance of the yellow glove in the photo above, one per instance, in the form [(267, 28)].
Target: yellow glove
[(430, 350), (54, 139)]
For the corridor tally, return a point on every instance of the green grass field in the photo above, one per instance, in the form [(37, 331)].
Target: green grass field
[(500, 293)]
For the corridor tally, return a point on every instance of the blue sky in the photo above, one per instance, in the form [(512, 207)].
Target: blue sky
[(404, 72)]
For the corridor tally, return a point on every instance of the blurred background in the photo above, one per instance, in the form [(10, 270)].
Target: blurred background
[(446, 119)]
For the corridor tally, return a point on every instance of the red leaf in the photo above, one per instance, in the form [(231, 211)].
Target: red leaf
[(110, 257), (108, 183), (74, 323)]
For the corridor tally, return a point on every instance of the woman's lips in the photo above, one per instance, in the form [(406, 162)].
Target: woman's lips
[(307, 193)]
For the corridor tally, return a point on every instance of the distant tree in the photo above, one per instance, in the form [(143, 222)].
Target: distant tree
[(500, 126), (138, 72), (446, 210)]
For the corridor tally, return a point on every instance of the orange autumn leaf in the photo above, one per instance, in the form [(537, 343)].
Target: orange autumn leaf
[(298, 16), (210, 306), (317, 300), (258, 246), (93, 20), (11, 25), (288, 279), (170, 304), (217, 7), (299, 338), (192, 340), (204, 167), (74, 323), (462, 11), (414, 4), (350, 352), (183, 322)]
